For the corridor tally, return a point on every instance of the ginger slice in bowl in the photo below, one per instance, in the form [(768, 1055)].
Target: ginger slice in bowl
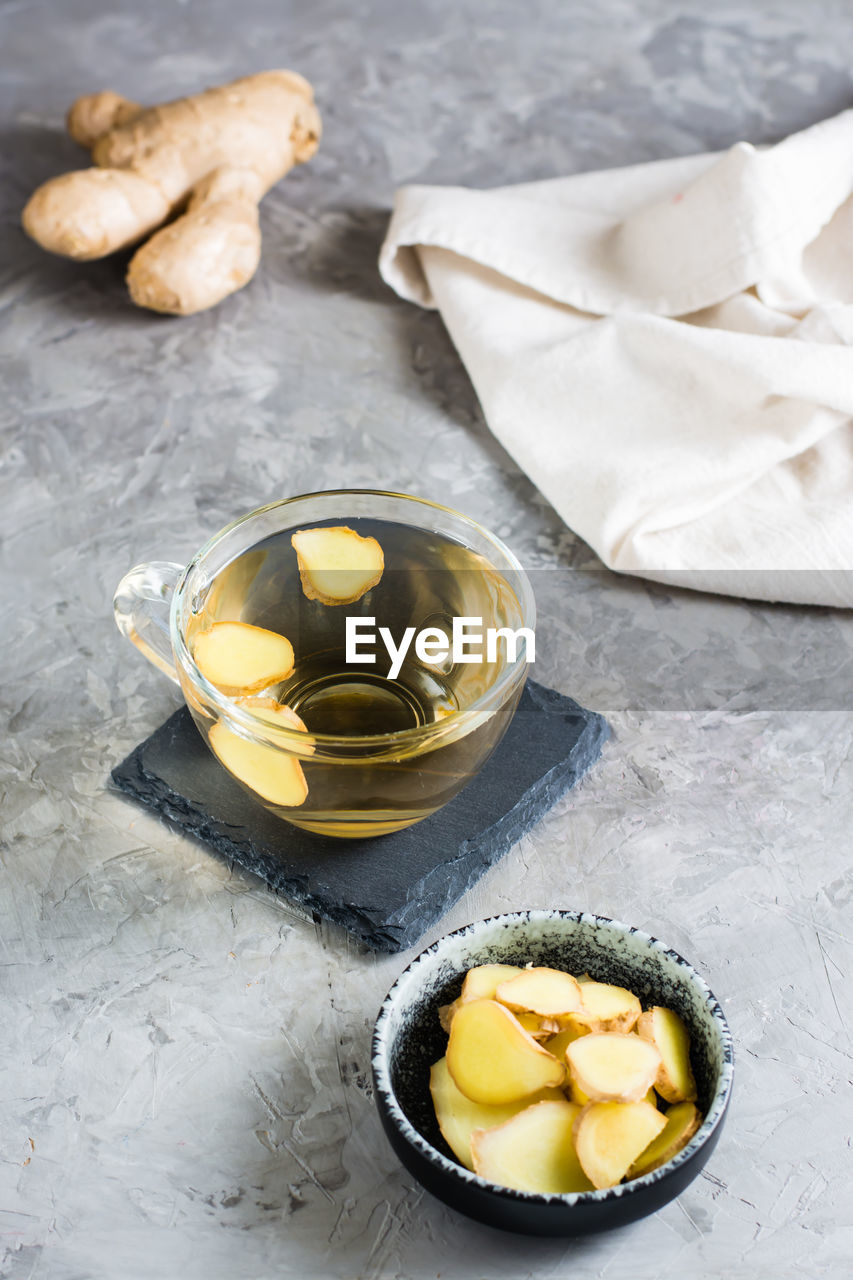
[(336, 564), (682, 1121), (608, 1008), (664, 1029), (458, 1116), (533, 1151), (267, 770), (540, 1028), (548, 992), (494, 1060), (446, 1012), (613, 1066), (239, 658), (576, 1094), (560, 1041), (609, 1137), (479, 983)]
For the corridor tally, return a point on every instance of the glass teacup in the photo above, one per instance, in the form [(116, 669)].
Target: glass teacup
[(365, 734)]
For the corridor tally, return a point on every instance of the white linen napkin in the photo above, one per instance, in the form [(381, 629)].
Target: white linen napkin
[(667, 351)]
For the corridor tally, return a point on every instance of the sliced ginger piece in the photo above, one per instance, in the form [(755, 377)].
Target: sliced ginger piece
[(682, 1121), (613, 1066), (533, 1151), (559, 1043), (577, 1095), (548, 992), (336, 564), (446, 1012), (610, 1136), (278, 713), (458, 1116), (608, 1008), (531, 1022), (664, 1029), (537, 1026), (493, 1060), (239, 658), (482, 981), (268, 771), (479, 984)]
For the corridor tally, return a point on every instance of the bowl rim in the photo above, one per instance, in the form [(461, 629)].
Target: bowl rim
[(382, 1078)]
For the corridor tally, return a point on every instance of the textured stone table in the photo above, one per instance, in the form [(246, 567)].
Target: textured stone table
[(185, 1083)]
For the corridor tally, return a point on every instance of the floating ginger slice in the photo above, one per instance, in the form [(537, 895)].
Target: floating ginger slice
[(533, 1151), (665, 1030), (608, 1008), (682, 1121), (239, 658), (268, 771), (494, 1060), (280, 714), (336, 564), (548, 992), (612, 1066), (609, 1137), (458, 1116)]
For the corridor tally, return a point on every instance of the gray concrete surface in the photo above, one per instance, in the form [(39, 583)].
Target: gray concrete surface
[(185, 1061)]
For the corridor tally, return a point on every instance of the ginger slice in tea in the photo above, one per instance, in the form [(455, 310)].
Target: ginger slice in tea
[(279, 713), (336, 564), (269, 771), (239, 658)]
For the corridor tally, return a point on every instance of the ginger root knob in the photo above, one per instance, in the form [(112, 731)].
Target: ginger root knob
[(216, 154)]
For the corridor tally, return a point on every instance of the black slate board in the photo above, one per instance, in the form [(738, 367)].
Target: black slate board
[(387, 890)]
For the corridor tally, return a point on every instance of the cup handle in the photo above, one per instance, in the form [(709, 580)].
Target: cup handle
[(141, 606)]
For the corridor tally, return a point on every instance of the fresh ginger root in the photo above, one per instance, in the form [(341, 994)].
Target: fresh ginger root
[(209, 158)]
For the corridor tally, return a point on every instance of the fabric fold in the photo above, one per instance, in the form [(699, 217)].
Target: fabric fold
[(665, 350)]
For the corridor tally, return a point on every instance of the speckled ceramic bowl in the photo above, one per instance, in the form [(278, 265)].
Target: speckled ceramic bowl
[(408, 1039)]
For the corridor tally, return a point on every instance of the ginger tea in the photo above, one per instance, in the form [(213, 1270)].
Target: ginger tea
[(357, 780)]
